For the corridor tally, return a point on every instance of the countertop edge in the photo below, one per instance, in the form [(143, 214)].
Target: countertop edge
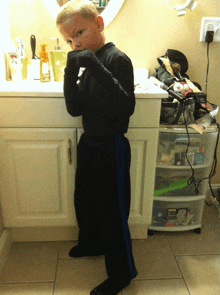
[(55, 89), (61, 96)]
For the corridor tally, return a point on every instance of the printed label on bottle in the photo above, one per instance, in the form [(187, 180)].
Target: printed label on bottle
[(44, 68)]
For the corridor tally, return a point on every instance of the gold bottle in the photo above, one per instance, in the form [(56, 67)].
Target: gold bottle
[(44, 65)]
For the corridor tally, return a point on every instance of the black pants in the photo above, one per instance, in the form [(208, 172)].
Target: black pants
[(102, 201)]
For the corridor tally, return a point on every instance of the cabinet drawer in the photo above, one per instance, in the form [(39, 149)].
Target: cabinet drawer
[(36, 112), (51, 112)]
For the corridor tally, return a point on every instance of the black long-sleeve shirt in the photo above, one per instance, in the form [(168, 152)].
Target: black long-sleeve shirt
[(105, 104)]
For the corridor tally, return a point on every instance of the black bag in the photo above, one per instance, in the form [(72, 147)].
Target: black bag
[(172, 69)]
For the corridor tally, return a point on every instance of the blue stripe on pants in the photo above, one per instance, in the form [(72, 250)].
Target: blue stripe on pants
[(121, 165)]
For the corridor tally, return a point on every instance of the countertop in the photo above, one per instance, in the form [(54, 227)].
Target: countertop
[(27, 88)]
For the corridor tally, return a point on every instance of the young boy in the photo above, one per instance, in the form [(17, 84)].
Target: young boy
[(104, 97)]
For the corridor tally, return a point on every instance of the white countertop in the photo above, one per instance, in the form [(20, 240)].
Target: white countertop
[(27, 88)]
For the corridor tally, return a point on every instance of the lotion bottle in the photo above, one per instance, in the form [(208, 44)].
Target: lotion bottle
[(44, 65), (58, 60)]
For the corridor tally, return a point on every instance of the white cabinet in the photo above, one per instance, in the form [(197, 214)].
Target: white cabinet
[(37, 182)]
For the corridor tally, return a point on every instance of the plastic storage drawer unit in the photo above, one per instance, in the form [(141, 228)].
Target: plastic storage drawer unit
[(178, 203)]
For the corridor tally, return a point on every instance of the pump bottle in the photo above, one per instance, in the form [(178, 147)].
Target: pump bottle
[(58, 60), (44, 65)]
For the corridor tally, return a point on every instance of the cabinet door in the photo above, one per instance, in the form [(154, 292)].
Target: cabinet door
[(37, 177), (143, 142)]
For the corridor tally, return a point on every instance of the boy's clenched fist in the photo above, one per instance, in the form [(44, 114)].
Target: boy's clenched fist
[(81, 58)]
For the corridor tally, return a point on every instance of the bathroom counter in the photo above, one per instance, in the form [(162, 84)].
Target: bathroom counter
[(55, 89)]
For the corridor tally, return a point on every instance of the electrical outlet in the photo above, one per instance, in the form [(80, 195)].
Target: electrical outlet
[(210, 24)]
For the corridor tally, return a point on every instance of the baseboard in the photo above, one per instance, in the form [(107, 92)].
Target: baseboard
[(6, 242), (62, 233), (44, 234)]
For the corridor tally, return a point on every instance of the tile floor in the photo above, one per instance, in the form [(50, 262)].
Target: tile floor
[(183, 263)]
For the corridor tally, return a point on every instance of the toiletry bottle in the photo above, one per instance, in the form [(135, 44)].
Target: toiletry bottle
[(58, 60), (21, 53), (14, 62), (44, 65), (8, 54), (15, 67)]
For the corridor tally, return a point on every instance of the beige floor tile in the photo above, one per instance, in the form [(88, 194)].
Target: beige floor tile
[(79, 276), (65, 248), (26, 289), (156, 287), (201, 273), (50, 249), (31, 262), (194, 244), (154, 259)]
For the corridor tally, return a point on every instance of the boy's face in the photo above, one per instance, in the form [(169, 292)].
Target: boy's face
[(82, 34)]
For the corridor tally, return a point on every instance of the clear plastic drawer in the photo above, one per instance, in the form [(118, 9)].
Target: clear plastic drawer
[(172, 148), (168, 182), (177, 214)]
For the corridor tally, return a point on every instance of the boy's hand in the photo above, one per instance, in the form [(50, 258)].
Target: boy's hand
[(72, 63), (80, 58), (87, 59)]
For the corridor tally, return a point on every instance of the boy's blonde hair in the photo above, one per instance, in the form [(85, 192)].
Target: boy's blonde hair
[(86, 8)]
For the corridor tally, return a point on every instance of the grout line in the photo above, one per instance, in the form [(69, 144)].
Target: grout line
[(205, 254), (56, 270), (21, 283), (178, 265), (164, 279)]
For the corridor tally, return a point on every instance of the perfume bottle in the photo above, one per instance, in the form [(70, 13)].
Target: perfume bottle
[(44, 65)]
